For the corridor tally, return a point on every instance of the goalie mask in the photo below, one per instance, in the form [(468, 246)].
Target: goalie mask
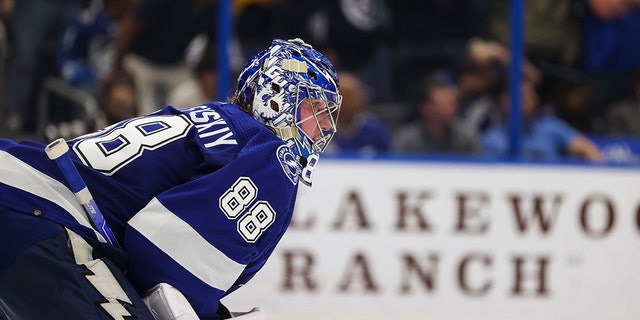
[(294, 90)]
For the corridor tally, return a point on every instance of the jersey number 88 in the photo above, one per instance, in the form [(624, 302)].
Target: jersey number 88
[(257, 218)]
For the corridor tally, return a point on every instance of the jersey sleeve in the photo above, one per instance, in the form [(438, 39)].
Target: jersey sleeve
[(201, 236), (493, 143), (564, 133)]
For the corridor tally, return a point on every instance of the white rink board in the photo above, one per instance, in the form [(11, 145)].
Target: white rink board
[(356, 249)]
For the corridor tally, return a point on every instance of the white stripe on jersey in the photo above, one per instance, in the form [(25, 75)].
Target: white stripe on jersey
[(16, 173), (170, 234)]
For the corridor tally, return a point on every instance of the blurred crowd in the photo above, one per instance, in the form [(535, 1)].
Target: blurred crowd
[(425, 78)]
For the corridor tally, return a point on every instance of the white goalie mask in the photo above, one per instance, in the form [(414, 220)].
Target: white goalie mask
[(294, 90)]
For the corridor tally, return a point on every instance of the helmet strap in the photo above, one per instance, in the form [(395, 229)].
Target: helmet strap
[(286, 133)]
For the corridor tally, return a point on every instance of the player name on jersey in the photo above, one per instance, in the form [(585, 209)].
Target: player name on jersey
[(212, 129)]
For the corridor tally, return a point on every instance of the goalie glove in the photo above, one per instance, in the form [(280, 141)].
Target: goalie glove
[(167, 303)]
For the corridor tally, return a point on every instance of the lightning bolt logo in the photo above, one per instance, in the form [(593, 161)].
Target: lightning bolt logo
[(288, 162), (291, 163), (101, 278), (110, 289)]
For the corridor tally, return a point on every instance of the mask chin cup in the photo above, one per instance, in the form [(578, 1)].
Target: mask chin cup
[(307, 171)]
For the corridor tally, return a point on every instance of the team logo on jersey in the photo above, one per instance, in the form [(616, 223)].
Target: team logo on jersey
[(289, 164)]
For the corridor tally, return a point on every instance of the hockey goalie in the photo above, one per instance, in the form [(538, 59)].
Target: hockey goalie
[(161, 216)]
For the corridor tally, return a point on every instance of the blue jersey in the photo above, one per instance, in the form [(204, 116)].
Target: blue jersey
[(198, 198), (544, 138), (368, 135), (87, 50)]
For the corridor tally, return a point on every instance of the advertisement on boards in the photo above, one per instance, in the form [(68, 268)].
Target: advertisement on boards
[(423, 240)]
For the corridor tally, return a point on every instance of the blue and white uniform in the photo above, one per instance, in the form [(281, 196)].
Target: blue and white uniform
[(197, 198)]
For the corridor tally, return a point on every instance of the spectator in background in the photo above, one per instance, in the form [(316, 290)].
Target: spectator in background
[(482, 65), (85, 61), (6, 36), (358, 130), (153, 45), (254, 24), (623, 117), (118, 101), (6, 42), (431, 35), (6, 9), (552, 29), (353, 35), (611, 29), (436, 128), (37, 28), (571, 101), (202, 88), (552, 38), (611, 49), (544, 137), (87, 51)]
